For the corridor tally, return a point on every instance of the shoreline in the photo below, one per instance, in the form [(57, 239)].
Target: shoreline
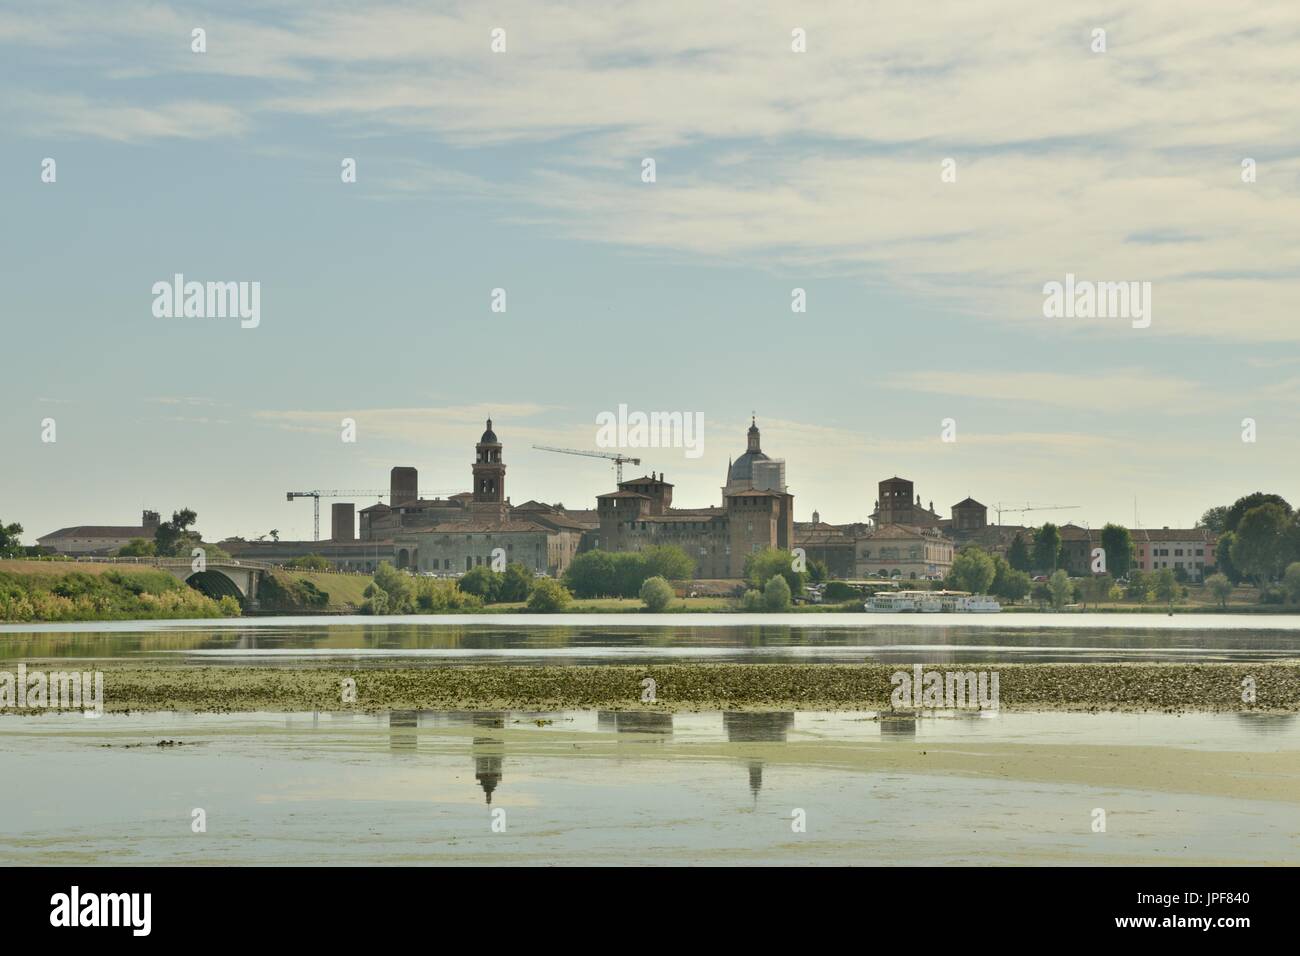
[(1167, 688)]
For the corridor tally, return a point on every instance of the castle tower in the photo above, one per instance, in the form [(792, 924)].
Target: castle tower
[(489, 473)]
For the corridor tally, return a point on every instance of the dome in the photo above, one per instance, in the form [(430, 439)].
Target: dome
[(489, 436), (742, 469)]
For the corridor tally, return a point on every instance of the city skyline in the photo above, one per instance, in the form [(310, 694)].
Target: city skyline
[(523, 171)]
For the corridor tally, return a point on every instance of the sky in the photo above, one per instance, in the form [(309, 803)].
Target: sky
[(775, 170)]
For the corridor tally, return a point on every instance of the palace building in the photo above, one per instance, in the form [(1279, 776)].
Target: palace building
[(757, 512)]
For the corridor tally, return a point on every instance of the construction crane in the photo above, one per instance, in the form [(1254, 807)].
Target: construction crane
[(316, 496), (999, 509), (616, 458)]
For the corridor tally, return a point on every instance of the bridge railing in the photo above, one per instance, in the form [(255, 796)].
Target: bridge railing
[(180, 562)]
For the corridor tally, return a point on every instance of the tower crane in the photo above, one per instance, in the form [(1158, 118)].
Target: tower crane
[(999, 509), (316, 496), (616, 458)]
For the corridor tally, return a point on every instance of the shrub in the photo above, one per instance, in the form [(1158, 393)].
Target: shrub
[(1272, 594), (837, 591), (776, 594), (1291, 582), (548, 595), (656, 593), (482, 582), (516, 583), (752, 601)]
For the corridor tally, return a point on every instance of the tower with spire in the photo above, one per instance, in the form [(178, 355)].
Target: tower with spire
[(489, 475)]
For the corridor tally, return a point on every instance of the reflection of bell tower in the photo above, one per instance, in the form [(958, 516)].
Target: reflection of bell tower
[(489, 753), (489, 473), (756, 727)]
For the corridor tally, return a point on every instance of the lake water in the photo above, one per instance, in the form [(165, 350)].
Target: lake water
[(602, 787), (618, 788), (636, 638)]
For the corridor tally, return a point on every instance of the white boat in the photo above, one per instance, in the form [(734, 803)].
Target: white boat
[(904, 602), (931, 602)]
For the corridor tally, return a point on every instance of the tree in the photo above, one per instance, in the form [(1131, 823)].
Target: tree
[(1047, 547), (175, 537), (376, 599), (1008, 583), (275, 534), (1223, 557), (1041, 593), (1261, 547), (972, 570), (1018, 555), (818, 572), (1166, 586), (516, 583), (397, 585), (137, 548), (1243, 505), (1291, 582), (481, 581), (656, 593), (591, 574), (668, 561), (1139, 587), (1097, 588), (1215, 519), (1221, 587), (1118, 545), (630, 572), (760, 567), (752, 601), (1061, 589), (10, 546), (309, 562), (776, 594), (548, 595)]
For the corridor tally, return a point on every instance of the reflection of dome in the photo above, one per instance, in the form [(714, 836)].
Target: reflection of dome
[(489, 436)]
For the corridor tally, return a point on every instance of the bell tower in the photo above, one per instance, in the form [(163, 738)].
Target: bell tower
[(489, 472)]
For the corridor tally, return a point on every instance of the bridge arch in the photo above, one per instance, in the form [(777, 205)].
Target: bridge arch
[(215, 585)]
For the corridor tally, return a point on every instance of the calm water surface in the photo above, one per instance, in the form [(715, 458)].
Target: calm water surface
[(612, 788), (633, 638)]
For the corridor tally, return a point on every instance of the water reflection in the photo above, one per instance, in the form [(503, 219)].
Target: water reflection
[(634, 722), (898, 723), (402, 734), (752, 726), (1017, 638), (489, 753)]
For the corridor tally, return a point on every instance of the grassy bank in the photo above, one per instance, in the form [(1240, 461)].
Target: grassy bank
[(57, 591), (684, 687)]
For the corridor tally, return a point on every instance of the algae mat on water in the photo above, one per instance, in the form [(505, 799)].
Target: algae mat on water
[(1273, 686)]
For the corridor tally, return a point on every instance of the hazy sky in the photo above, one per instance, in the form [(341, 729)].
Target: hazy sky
[(522, 170)]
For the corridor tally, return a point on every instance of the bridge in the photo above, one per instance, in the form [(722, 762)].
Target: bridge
[(234, 578)]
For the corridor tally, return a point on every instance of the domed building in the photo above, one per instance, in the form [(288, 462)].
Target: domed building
[(754, 470), (757, 512)]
